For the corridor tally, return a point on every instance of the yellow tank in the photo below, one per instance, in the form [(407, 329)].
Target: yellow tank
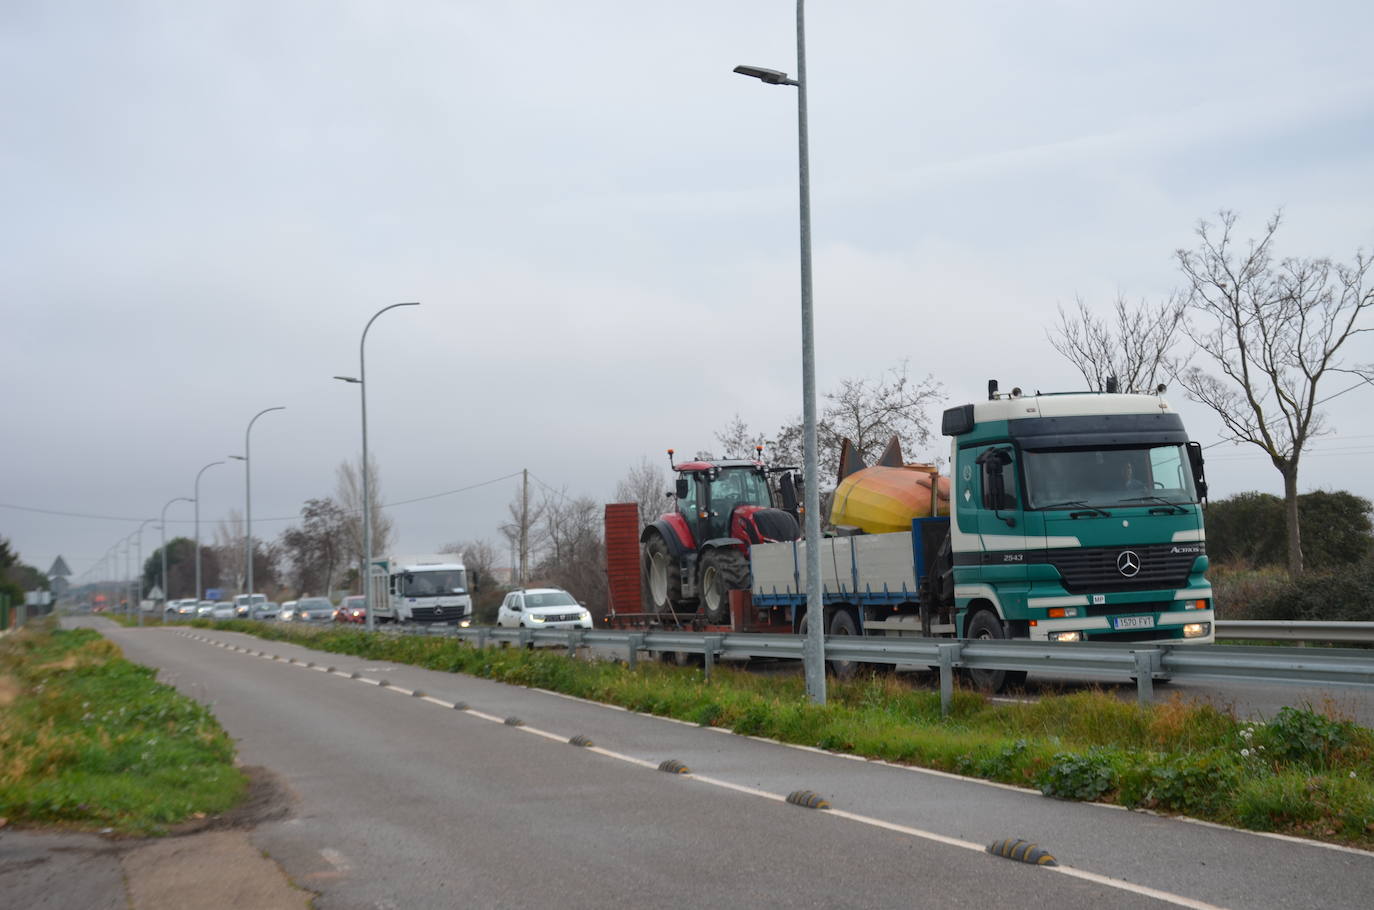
[(885, 497)]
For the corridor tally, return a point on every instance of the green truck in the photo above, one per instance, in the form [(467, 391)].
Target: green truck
[(1071, 517)]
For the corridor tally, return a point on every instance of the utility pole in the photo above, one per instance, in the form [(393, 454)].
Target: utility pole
[(525, 526)]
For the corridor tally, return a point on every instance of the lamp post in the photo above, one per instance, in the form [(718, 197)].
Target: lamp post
[(139, 569), (196, 497), (248, 503), (814, 649), (166, 588), (361, 382)]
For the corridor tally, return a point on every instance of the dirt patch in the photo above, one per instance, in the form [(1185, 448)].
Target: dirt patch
[(267, 800), (9, 691), (208, 870)]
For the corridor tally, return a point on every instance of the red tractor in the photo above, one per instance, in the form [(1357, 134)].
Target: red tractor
[(695, 555)]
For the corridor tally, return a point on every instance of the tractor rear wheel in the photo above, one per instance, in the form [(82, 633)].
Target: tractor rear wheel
[(723, 570), (662, 580)]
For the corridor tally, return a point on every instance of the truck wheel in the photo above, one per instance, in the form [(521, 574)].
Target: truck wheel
[(661, 577), (985, 625), (842, 623), (722, 570)]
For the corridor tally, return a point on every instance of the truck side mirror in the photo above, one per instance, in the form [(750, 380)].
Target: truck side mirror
[(1195, 461), (681, 490), (993, 462)]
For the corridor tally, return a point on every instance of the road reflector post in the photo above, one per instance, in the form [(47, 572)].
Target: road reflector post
[(1022, 851), (807, 799)]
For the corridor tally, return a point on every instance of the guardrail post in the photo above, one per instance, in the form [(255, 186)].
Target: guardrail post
[(526, 638), (574, 638), (632, 645), (948, 654), (1145, 662), (712, 644), (21, 615), (482, 639)]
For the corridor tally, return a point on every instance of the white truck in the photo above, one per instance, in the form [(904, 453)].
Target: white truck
[(425, 589)]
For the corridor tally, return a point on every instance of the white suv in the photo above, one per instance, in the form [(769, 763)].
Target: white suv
[(543, 608)]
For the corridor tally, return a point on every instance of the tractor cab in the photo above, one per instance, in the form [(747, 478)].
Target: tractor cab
[(708, 493)]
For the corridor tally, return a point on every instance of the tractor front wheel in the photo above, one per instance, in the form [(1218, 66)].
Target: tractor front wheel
[(722, 570), (662, 580)]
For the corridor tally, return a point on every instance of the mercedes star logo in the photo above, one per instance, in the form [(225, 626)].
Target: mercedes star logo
[(1128, 563)]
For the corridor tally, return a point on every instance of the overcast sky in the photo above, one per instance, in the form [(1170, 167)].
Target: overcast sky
[(201, 205)]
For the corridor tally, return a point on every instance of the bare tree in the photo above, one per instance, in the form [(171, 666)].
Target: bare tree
[(1133, 346), (318, 548), (574, 558), (1273, 330), (869, 412), (646, 484), (348, 495), (737, 440), (229, 545)]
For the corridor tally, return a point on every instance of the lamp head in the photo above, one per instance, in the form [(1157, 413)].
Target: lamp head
[(772, 77)]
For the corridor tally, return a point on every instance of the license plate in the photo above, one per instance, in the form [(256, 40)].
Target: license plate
[(1133, 622)]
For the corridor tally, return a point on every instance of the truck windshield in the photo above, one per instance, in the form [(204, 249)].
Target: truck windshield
[(1103, 478), (434, 583)]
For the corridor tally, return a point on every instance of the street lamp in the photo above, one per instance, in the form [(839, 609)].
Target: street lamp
[(361, 382), (248, 501), (814, 649), (140, 568), (166, 588), (197, 499)]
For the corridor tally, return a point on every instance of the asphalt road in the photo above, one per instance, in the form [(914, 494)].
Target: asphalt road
[(402, 801)]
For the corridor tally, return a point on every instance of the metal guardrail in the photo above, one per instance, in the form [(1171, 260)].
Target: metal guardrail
[(1144, 663), (1284, 630)]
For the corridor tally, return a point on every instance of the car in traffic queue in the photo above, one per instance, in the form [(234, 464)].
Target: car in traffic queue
[(314, 609), (222, 610), (180, 609), (244, 604), (543, 608), (287, 611), (265, 612), (352, 609)]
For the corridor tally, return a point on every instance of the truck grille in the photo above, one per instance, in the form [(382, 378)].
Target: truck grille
[(1096, 569), (436, 614)]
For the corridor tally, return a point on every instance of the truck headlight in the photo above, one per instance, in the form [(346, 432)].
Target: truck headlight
[(1197, 629), (1066, 636), (464, 624)]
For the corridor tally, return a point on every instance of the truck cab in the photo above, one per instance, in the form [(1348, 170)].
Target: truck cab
[(422, 589), (1077, 517)]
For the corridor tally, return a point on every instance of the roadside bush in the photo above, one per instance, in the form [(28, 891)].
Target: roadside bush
[(1238, 587), (1084, 776), (1340, 595), (1199, 784)]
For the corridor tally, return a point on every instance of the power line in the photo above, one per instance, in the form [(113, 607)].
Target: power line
[(400, 502), (1314, 404)]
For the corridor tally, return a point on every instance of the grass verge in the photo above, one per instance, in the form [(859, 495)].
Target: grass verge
[(1307, 772), (89, 740)]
